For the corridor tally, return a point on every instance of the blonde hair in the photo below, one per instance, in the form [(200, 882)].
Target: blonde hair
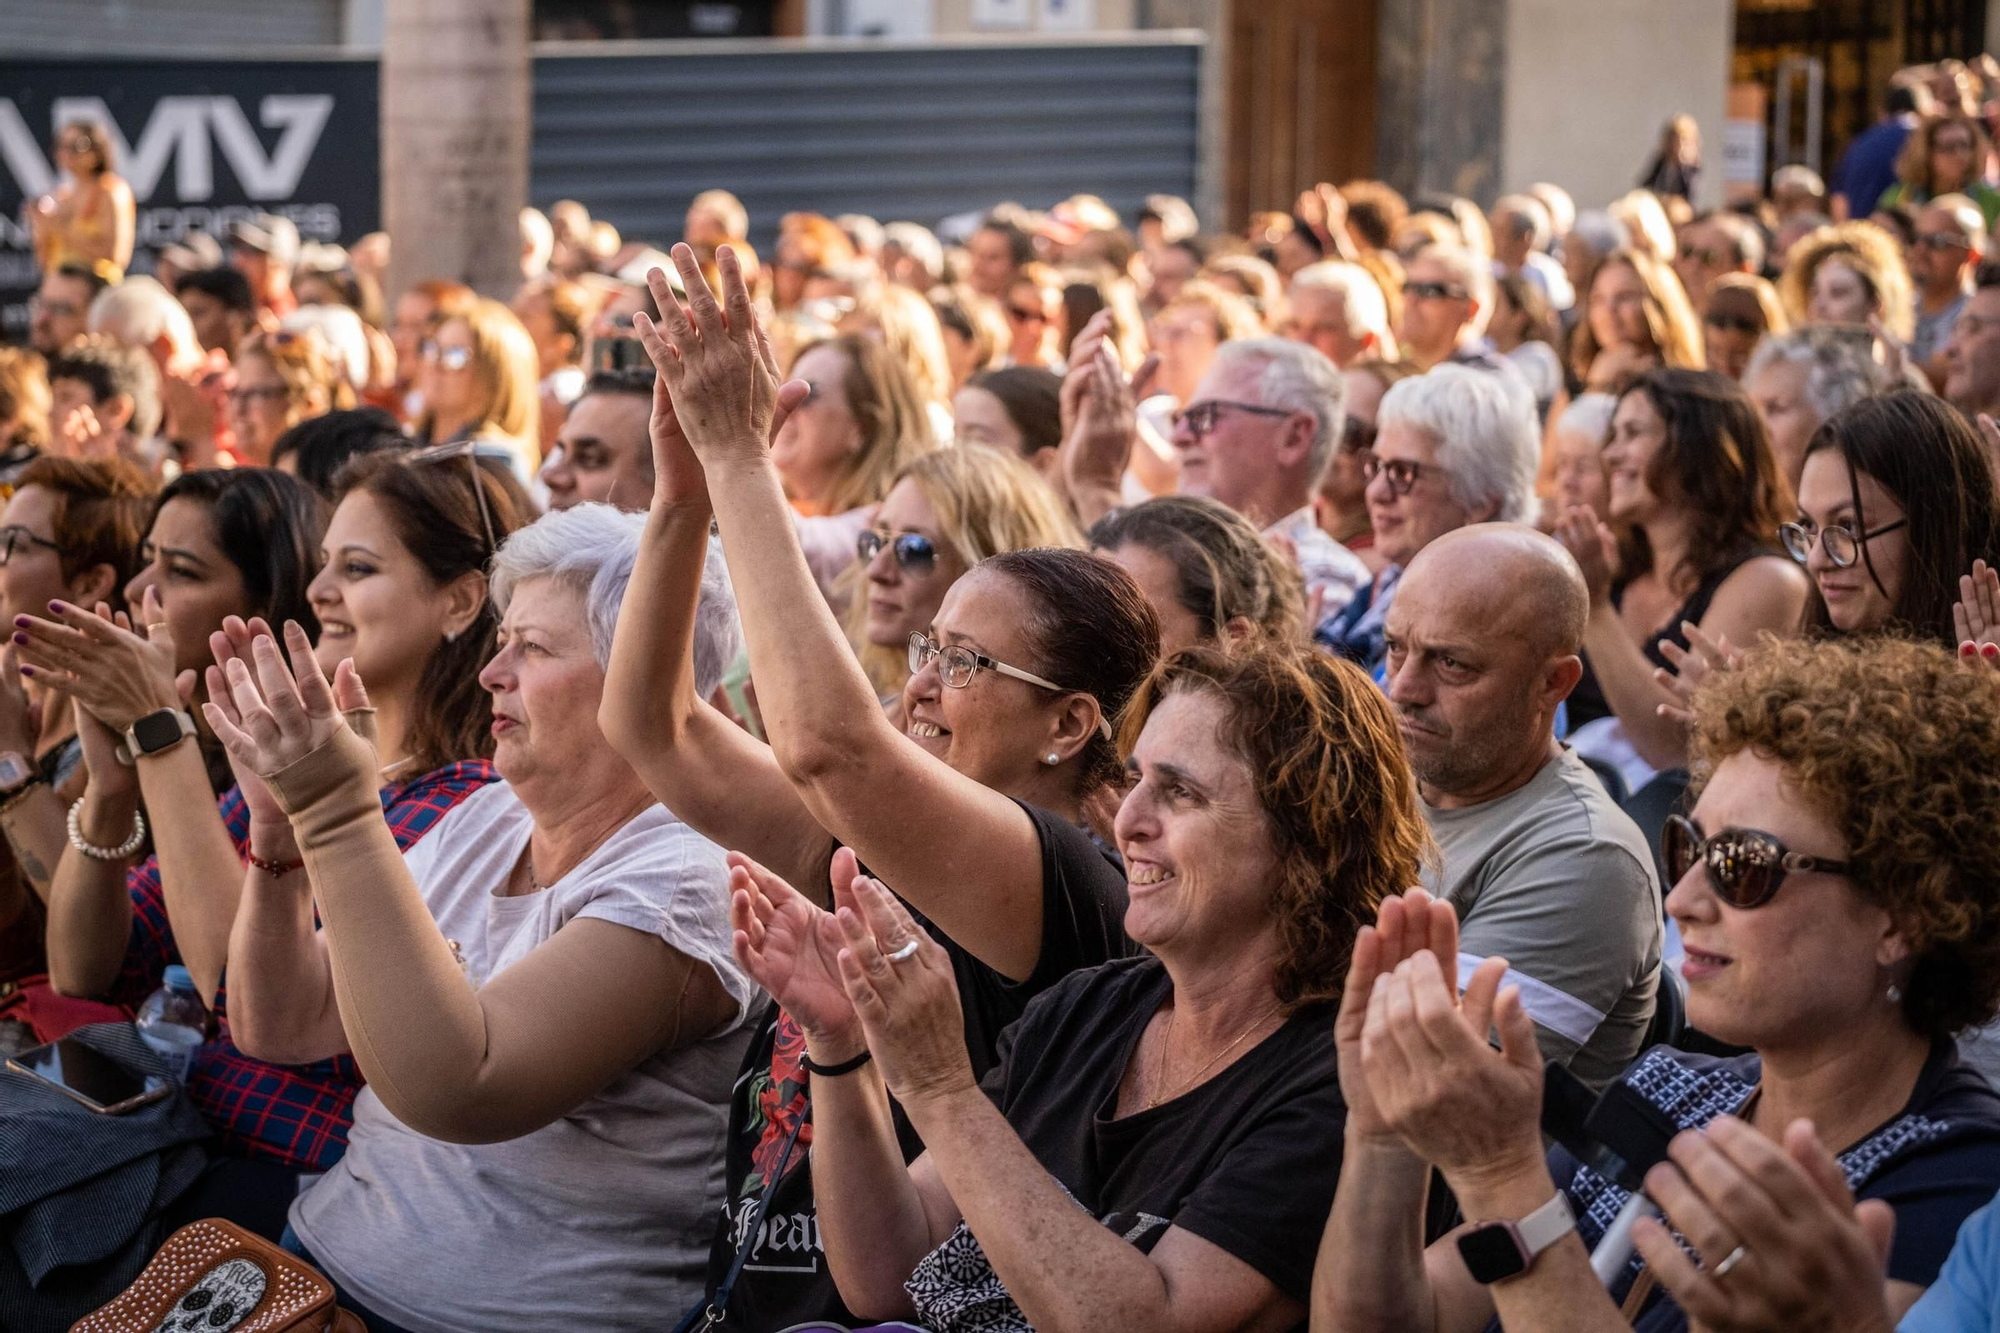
[(895, 428), (1228, 314), (987, 501), (910, 331), (25, 400), (1647, 223), (1870, 252), (1670, 320), (314, 381), (1757, 290), (506, 374)]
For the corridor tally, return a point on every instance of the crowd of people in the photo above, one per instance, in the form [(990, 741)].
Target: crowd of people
[(706, 789)]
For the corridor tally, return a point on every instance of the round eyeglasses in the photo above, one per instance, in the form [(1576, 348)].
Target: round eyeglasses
[(1843, 544)]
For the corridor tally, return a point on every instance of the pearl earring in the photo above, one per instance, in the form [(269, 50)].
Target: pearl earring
[(451, 636), (1895, 993), (1052, 759)]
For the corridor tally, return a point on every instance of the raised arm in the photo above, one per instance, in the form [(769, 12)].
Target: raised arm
[(863, 781), (90, 908), (717, 777), (484, 1065)]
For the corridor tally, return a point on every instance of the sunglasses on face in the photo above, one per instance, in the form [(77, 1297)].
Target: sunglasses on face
[(1745, 866), (1026, 315), (1434, 291), (913, 551), (1201, 419), (1843, 544), (957, 665), (1742, 324), (268, 393), (451, 358), (1942, 241), (1401, 474), (1356, 436)]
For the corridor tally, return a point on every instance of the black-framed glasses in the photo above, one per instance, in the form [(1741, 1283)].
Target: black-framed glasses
[(958, 664), (1356, 436), (1435, 291), (914, 552), (1201, 418), (469, 451), (1745, 866), (14, 536), (268, 393), (1843, 544), (1402, 474), (1729, 323), (451, 358), (1026, 315)]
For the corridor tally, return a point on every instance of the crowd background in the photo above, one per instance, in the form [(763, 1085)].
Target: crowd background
[(1080, 632)]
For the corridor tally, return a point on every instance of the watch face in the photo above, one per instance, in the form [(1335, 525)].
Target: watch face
[(1492, 1252), (14, 770), (156, 731)]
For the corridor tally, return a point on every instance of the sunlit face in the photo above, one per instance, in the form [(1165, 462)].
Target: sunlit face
[(1638, 434), (198, 585), (1185, 338), (1617, 311), (448, 378), (1778, 390), (1236, 460), (1173, 268), (1201, 857), (1954, 157), (1812, 960), (821, 434), (375, 602), (604, 453), (1706, 253), (1863, 596), (1319, 318), (1433, 323), (1404, 524), (992, 262), (981, 418), (260, 407), (546, 687), (1031, 319), (904, 597), (1580, 473), (1840, 295)]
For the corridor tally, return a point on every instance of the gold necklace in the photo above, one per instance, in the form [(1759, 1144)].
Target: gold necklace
[(1166, 1045)]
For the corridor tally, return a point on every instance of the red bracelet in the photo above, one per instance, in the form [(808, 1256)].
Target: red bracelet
[(275, 869)]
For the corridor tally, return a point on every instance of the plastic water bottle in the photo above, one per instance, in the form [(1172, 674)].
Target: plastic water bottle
[(173, 1022)]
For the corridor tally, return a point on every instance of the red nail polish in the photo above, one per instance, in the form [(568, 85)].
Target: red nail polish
[(1968, 649), (1990, 650)]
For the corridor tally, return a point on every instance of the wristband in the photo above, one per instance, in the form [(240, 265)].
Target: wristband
[(92, 850), (8, 800), (834, 1071), (275, 869)]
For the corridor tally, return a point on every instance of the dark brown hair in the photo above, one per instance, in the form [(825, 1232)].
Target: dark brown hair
[(1223, 567), (102, 509), (437, 516), (100, 143), (1324, 750)]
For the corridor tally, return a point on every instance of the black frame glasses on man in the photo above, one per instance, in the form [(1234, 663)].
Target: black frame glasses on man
[(1201, 418), (1745, 866), (914, 552), (13, 535), (1843, 543)]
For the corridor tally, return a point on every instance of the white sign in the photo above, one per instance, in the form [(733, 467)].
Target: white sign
[(1069, 15), (1002, 13), (1743, 152)]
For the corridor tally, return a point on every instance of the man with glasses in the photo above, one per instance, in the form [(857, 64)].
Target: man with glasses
[(1951, 239), (1972, 352), (1713, 245), (1447, 299), (1540, 864), (1257, 435), (60, 311)]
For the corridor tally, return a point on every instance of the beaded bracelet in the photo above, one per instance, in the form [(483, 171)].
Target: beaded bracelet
[(275, 869), (96, 853)]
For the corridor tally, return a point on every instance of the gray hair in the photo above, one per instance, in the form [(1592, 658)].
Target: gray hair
[(1297, 378), (1488, 444), (1598, 232), (591, 549), (919, 243), (1589, 414), (139, 312), (1472, 271), (1360, 295), (1840, 365)]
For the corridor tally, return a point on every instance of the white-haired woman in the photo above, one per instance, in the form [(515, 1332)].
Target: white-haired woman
[(1452, 447), (541, 996), (1799, 379)]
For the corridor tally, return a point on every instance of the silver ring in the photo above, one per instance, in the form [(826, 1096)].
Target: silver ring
[(907, 951), (1729, 1261)]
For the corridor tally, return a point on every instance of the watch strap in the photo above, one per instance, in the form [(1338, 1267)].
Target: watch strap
[(1546, 1225), (130, 750)]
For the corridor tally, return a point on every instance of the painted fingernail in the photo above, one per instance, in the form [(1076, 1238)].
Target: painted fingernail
[(58, 607), (20, 638), (1968, 649), (1989, 650), (27, 671)]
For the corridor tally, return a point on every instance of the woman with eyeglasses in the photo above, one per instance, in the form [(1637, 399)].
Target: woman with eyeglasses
[(480, 381), (281, 380), (973, 808), (1033, 306), (1948, 153), (1341, 505), (947, 511), (1697, 498), (91, 218), (1742, 309), (1836, 927)]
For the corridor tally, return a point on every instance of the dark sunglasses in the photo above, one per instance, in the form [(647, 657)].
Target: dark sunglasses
[(1745, 866), (1402, 474), (913, 551), (1435, 291), (1941, 240), (1201, 419), (1356, 436), (1023, 315), (1735, 324)]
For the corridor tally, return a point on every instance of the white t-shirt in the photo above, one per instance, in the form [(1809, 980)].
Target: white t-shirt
[(600, 1220)]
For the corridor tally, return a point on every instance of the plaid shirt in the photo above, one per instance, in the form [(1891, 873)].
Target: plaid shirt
[(299, 1114)]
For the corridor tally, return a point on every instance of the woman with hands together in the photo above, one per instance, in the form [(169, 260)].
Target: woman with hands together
[(1005, 738)]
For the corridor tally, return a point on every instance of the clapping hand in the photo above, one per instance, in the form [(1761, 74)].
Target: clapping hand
[(1692, 665), (1404, 926), (907, 1001), (1591, 544), (1976, 614), (791, 947), (102, 663), (270, 716), (1800, 1253), (717, 371), (1100, 413)]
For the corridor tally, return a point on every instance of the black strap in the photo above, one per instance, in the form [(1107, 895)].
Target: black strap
[(834, 1071), (709, 1313)]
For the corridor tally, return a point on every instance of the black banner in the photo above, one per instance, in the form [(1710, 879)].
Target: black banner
[(203, 143)]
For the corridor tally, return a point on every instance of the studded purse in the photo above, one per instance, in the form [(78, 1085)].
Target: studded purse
[(215, 1277)]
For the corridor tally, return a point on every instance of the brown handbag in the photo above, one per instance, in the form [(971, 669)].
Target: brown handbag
[(214, 1276)]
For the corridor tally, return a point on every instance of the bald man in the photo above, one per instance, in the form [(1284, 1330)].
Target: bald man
[(1541, 866)]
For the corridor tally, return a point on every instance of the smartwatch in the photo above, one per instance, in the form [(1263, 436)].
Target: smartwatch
[(1496, 1251), (15, 773), (156, 731)]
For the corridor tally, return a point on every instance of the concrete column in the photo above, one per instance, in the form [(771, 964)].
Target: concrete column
[(1441, 75), (455, 134)]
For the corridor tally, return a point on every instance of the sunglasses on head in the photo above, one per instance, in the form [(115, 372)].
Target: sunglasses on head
[(469, 451), (913, 551), (1745, 866)]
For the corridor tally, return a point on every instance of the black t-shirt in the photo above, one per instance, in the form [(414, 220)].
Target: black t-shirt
[(785, 1279), (1936, 1163), (1247, 1160)]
